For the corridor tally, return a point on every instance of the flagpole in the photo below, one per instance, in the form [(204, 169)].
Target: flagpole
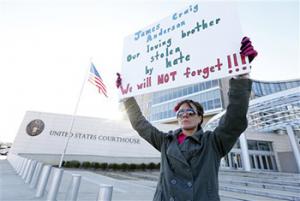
[(73, 119)]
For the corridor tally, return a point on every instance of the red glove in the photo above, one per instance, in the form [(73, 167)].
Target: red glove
[(119, 80), (247, 49)]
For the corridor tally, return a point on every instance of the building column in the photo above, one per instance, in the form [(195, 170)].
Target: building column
[(245, 153), (293, 142)]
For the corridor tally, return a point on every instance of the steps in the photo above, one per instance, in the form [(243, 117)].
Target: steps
[(247, 186), (241, 185), (234, 196)]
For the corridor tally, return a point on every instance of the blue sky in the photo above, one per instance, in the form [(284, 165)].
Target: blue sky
[(47, 45)]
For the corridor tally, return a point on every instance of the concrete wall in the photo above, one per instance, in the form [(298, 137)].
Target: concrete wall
[(287, 162), (94, 138)]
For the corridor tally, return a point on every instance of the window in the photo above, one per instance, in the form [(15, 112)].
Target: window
[(169, 113), (215, 83), (175, 94), (210, 104), (208, 85), (264, 162), (217, 103), (252, 161), (258, 162), (190, 90), (201, 86), (185, 91), (270, 162), (263, 146), (180, 93), (196, 87), (204, 104), (259, 145), (252, 145)]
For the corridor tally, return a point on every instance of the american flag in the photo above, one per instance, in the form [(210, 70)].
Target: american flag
[(96, 80)]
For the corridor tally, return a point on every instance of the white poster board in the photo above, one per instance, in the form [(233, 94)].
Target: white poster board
[(199, 43)]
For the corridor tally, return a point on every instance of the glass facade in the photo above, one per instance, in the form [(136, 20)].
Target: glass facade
[(260, 88), (207, 93), (272, 113)]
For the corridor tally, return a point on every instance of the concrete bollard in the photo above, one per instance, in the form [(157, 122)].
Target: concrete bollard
[(30, 172), (36, 175), (54, 186), (105, 193), (10, 159), (43, 181), (75, 184), (26, 169), (23, 167), (20, 165), (21, 161)]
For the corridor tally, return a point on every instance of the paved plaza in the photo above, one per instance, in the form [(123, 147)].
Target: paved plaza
[(14, 188), (140, 186)]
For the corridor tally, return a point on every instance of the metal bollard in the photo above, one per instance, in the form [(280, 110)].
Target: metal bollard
[(30, 172), (105, 193), (43, 181), (76, 179), (57, 176), (27, 169), (36, 175)]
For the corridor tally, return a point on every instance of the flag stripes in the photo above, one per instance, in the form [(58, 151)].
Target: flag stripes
[(96, 80)]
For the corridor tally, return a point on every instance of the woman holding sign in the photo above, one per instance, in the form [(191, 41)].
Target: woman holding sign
[(190, 157)]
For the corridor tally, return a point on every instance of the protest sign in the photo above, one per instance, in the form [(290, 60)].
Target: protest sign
[(197, 44)]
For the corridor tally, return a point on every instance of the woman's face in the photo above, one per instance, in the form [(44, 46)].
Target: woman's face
[(187, 117)]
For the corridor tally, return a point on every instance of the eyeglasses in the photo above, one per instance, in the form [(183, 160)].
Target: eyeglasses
[(188, 112)]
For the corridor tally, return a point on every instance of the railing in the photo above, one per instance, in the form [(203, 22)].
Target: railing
[(36, 175)]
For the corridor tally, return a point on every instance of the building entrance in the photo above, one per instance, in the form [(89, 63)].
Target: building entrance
[(260, 153), (263, 161)]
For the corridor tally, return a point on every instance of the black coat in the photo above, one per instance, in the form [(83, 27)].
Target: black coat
[(189, 172)]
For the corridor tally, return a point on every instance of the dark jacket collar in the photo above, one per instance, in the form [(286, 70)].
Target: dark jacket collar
[(196, 136)]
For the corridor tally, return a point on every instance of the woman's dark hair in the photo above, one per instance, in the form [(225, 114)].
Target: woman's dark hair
[(189, 102)]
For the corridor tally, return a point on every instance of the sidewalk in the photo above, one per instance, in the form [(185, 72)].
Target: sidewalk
[(13, 188)]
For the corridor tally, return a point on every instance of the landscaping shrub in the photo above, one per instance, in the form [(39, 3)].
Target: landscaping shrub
[(113, 166), (124, 166), (67, 164), (132, 166), (151, 166), (142, 166), (95, 165), (74, 164), (86, 164), (104, 166)]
